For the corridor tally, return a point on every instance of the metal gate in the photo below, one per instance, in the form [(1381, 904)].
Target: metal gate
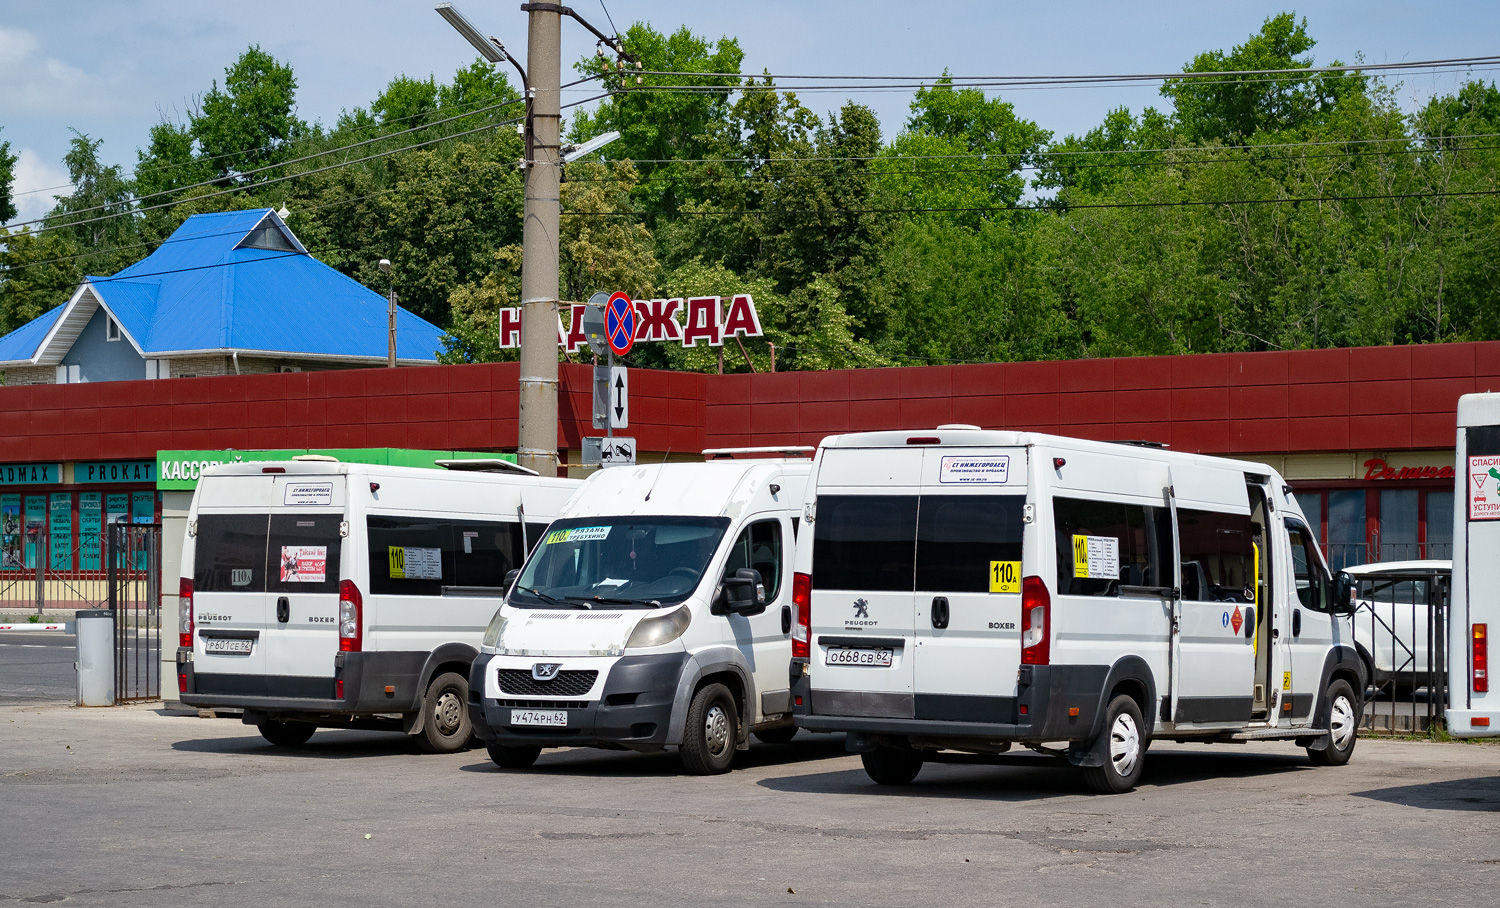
[(1401, 632), (133, 579)]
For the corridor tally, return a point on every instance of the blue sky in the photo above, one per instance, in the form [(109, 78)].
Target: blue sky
[(112, 69)]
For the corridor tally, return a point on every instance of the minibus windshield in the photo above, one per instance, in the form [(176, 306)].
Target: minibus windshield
[(618, 562)]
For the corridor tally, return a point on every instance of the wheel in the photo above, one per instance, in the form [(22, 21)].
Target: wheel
[(286, 734), (446, 729), (713, 727), (1343, 726), (888, 766), (1127, 753), (777, 735), (513, 757)]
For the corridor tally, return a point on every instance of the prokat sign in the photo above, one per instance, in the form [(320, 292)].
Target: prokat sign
[(703, 318), (1484, 488)]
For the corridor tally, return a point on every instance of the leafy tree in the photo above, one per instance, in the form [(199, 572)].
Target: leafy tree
[(7, 177), (251, 122), (37, 274), (98, 214)]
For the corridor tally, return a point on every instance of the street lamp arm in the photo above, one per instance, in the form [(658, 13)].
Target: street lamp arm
[(612, 41)]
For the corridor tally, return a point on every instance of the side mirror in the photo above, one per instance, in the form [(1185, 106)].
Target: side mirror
[(510, 579), (743, 594), (1344, 589)]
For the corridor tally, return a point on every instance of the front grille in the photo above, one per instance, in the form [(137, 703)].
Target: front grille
[(568, 683), (542, 704)]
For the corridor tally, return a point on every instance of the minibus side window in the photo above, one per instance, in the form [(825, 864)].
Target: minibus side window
[(484, 551), (865, 542), (960, 536), (411, 556), (1218, 556), (1307, 567), (303, 554), (1103, 545), (759, 548)]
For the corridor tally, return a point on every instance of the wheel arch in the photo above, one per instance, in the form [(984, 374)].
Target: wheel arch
[(704, 667), (1342, 663), (455, 657)]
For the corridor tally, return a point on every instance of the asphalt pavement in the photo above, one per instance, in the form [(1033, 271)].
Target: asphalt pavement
[(37, 667), (134, 807)]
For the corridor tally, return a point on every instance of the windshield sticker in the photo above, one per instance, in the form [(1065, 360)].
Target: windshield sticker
[(1096, 557), (408, 563), (959, 469), (578, 534), (303, 563), (308, 493)]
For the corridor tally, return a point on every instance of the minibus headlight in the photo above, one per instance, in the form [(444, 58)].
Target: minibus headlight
[(660, 629), (495, 631)]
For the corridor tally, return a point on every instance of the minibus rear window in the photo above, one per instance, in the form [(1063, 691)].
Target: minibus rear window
[(229, 555), (303, 554), (865, 542), (960, 536)]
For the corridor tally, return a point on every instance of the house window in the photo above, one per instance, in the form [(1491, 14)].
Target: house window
[(288, 368), (111, 329)]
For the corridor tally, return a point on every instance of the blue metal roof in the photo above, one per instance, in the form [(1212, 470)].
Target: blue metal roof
[(199, 292)]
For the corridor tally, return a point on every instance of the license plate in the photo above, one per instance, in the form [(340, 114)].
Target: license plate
[(555, 718), (875, 658), (232, 645)]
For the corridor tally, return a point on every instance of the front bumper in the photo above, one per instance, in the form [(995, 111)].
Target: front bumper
[(629, 704)]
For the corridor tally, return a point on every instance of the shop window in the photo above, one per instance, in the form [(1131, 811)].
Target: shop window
[(1398, 524), (759, 548), (1103, 546), (1347, 544), (1218, 556), (1312, 507), (959, 537), (865, 542), (1439, 525)]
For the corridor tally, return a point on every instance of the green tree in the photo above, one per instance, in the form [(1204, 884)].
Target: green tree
[(37, 273), (98, 215), (7, 177), (251, 122)]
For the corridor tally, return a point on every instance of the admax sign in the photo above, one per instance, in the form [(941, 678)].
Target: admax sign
[(686, 321)]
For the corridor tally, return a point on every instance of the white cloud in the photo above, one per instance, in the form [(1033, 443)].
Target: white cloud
[(37, 83), (35, 185)]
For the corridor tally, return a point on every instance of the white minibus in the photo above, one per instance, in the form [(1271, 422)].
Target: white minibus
[(1474, 605), (655, 613), (970, 590), (324, 594)]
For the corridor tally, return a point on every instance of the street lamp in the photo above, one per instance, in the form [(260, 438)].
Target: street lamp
[(385, 269)]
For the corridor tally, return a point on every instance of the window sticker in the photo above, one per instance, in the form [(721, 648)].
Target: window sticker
[(1484, 488), (411, 563), (303, 563), (1096, 557), (1005, 576), (308, 493), (240, 576), (578, 534), (965, 469)]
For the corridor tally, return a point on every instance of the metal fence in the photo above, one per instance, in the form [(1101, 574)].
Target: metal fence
[(30, 580), (1400, 630), (133, 589), (1347, 554)]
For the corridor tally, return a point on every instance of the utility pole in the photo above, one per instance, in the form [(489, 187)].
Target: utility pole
[(385, 267), (540, 249)]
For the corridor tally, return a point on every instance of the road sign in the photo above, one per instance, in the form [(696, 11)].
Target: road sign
[(619, 398), (619, 323), (609, 452), (593, 323)]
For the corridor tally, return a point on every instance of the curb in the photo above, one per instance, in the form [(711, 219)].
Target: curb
[(65, 626)]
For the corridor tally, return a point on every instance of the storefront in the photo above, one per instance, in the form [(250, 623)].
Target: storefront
[(57, 513)]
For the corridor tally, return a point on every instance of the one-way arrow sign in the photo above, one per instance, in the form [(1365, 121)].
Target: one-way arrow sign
[(619, 405)]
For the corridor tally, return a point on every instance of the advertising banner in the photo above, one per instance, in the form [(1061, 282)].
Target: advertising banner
[(10, 532), (90, 530), (61, 544)]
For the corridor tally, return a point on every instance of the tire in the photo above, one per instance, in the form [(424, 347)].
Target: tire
[(1126, 757), (513, 757), (713, 728), (888, 766), (445, 725), (286, 734), (1343, 726), (781, 735)]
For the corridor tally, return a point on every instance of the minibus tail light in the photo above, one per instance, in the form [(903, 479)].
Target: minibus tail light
[(351, 621), (1480, 662), (1036, 618), (185, 612), (801, 616)]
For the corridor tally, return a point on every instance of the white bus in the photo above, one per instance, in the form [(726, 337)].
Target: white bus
[(970, 590), (1474, 606), (323, 594)]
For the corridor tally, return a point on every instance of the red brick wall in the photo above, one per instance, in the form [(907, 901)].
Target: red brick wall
[(1380, 398)]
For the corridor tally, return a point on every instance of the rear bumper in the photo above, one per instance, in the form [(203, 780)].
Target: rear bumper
[(1461, 723), (1040, 711), (365, 677), (634, 710)]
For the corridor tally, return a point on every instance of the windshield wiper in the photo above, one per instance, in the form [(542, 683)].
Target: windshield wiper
[(553, 600), (649, 602)]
